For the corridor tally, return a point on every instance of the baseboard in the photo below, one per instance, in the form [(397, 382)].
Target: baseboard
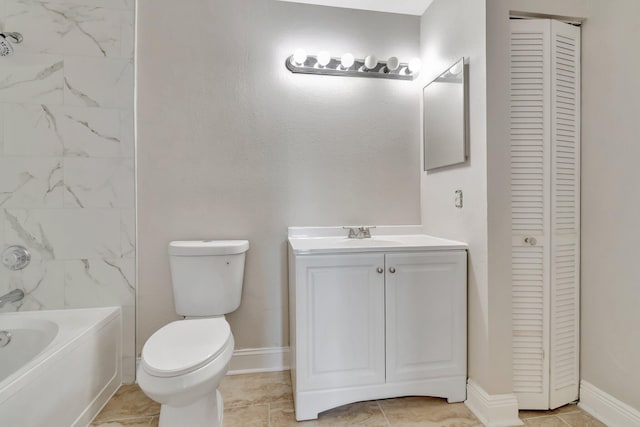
[(607, 408), (250, 360), (497, 410)]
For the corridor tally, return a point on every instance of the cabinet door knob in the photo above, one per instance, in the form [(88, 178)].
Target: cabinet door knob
[(530, 240), (392, 270), (380, 270)]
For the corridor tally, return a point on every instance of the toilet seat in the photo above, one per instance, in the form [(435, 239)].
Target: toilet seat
[(184, 346)]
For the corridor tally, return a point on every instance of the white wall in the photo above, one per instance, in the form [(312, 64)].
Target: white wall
[(232, 145), (611, 199), (451, 29), (66, 156)]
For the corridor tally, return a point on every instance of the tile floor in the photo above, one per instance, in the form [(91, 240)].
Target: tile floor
[(265, 400)]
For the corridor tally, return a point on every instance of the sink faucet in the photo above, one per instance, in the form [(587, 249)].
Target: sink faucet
[(13, 296), (361, 232)]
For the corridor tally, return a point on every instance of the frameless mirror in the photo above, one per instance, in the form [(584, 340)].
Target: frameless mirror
[(445, 123)]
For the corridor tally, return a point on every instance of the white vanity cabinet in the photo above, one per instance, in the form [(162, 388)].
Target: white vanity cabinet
[(377, 323)]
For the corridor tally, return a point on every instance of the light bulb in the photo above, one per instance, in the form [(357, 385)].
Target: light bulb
[(393, 63), (324, 58), (347, 60), (299, 56), (414, 66), (370, 62)]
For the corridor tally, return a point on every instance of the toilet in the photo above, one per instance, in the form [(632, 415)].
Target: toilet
[(183, 363)]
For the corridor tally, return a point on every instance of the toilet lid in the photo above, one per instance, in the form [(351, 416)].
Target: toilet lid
[(184, 346)]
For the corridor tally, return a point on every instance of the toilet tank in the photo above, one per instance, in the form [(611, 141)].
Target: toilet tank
[(207, 276)]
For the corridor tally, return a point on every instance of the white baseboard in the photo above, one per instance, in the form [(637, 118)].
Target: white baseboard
[(607, 408), (497, 410), (250, 360)]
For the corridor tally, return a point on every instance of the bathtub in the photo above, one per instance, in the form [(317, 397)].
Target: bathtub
[(60, 367)]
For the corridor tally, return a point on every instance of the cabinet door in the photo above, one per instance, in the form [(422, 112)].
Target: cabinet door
[(426, 304), (340, 330)]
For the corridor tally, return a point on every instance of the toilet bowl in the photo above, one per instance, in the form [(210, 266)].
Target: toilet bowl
[(181, 367), (183, 363)]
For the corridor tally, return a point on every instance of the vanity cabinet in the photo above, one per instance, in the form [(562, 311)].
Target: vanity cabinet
[(375, 325)]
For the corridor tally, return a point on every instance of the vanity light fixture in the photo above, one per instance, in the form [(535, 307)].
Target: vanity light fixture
[(414, 66), (324, 58), (370, 63), (348, 65), (347, 61), (299, 57), (393, 64)]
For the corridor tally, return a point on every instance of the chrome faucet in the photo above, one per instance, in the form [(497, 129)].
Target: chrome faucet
[(13, 296), (361, 232)]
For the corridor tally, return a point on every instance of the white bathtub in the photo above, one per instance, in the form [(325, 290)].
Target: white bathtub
[(60, 366)]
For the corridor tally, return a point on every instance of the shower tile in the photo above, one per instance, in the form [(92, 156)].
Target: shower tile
[(127, 132), (32, 79), (32, 130), (128, 233), (98, 82), (42, 282), (93, 31), (65, 234), (96, 183), (25, 227), (30, 182), (66, 28), (42, 27), (96, 282), (109, 4), (127, 36), (91, 132)]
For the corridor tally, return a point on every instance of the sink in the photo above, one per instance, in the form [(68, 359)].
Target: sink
[(319, 240), (373, 241)]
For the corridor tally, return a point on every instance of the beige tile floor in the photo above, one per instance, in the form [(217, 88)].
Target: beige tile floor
[(265, 400)]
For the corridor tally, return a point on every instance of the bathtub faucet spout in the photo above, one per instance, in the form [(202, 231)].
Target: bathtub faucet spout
[(13, 296)]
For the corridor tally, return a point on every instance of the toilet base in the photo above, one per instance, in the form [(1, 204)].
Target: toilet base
[(206, 412)]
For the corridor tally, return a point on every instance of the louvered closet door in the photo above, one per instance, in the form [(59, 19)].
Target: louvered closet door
[(565, 213), (545, 124), (530, 199)]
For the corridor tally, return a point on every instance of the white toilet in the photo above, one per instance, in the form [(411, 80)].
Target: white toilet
[(184, 362)]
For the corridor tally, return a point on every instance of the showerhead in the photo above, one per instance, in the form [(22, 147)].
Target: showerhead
[(6, 48)]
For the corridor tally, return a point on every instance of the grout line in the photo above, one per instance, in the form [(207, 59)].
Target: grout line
[(383, 414), (562, 420), (268, 414)]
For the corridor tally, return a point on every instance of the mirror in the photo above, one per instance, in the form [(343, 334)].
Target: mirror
[(445, 118)]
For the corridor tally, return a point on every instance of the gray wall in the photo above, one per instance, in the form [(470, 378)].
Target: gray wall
[(611, 199), (451, 29), (232, 145)]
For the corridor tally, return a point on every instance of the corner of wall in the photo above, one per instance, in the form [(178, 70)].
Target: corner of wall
[(493, 410)]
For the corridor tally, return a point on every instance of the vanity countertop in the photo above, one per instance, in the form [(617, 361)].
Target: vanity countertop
[(326, 240)]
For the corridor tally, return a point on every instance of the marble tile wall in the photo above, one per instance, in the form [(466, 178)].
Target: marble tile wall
[(67, 156)]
